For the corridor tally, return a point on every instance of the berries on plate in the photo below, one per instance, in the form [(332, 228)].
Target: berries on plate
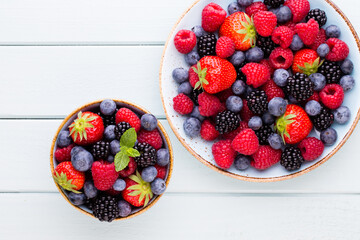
[(265, 23), (311, 148), (185, 41), (223, 153), (212, 17), (225, 47), (265, 157)]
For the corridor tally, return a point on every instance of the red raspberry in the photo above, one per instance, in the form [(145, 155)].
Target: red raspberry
[(290, 25), (212, 17), (256, 74), (245, 112), (223, 154), (152, 138), (112, 192), (255, 7), (104, 175), (320, 39), (161, 171), (311, 148), (281, 58), (225, 47), (308, 31), (265, 157), (208, 131), (193, 76), (267, 64), (272, 90), (246, 142), (315, 97), (224, 95), (209, 105), (233, 134), (130, 169), (185, 41), (126, 115), (332, 96), (283, 36), (183, 104), (64, 154), (339, 50), (299, 9), (265, 23)]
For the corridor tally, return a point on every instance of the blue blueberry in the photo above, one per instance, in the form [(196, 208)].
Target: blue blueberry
[(110, 158), (64, 139), (148, 122), (163, 157), (199, 31), (347, 66), (148, 174), (109, 133), (158, 186), (280, 77), (82, 160), (284, 14), (241, 162), (238, 87), (333, 31), (107, 107), (192, 127), (77, 198), (255, 123), (323, 50), (124, 208), (196, 114), (234, 7), (192, 57), (254, 54), (245, 3), (319, 81), (328, 136), (90, 190), (180, 75), (342, 115), (296, 43), (267, 118), (76, 149), (274, 10), (114, 147), (185, 88), (119, 185), (234, 104), (313, 108), (347, 82), (277, 106), (237, 58), (275, 141)]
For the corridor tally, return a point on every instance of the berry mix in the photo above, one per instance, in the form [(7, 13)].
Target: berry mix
[(261, 77), (111, 161)]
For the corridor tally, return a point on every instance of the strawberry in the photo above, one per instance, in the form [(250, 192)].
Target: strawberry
[(306, 61), (311, 148), (223, 153), (208, 131), (299, 9), (245, 112), (339, 50), (283, 36), (152, 138), (137, 192), (308, 32), (233, 134), (161, 171), (332, 96), (193, 76), (255, 7), (212, 17), (272, 90), (265, 157), (64, 154), (294, 125), (209, 105), (130, 169), (215, 74), (265, 23), (185, 41), (320, 39), (246, 142), (87, 128), (225, 47), (68, 177), (183, 104), (104, 175), (256, 74), (281, 58), (126, 115)]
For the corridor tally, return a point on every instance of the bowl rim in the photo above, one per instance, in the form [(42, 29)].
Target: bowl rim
[(246, 178), (160, 127)]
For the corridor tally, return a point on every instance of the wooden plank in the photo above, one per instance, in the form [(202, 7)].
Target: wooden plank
[(27, 157)]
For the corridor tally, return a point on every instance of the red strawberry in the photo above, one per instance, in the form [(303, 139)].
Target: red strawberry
[(281, 58), (185, 41), (212, 17), (225, 47), (299, 9), (308, 32), (272, 90), (126, 115), (223, 154), (246, 142), (68, 177), (104, 175), (161, 171), (233, 134), (224, 95), (183, 104), (311, 148), (267, 64), (130, 169), (87, 128), (209, 105), (208, 131), (320, 39), (265, 23), (283, 36), (64, 154), (306, 61), (265, 157), (339, 50), (294, 125), (332, 96), (193, 76), (137, 192), (255, 7), (152, 138), (256, 74), (245, 112)]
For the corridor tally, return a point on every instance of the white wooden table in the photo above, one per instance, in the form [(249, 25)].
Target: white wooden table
[(58, 55)]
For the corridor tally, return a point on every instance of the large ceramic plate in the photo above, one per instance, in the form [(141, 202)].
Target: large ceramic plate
[(202, 149)]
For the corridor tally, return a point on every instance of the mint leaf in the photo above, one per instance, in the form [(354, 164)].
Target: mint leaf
[(121, 161), (128, 139), (132, 152)]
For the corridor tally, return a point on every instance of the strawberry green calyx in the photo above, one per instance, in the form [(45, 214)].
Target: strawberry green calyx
[(142, 188), (249, 30), (66, 184), (309, 69), (202, 75), (80, 125), (282, 123)]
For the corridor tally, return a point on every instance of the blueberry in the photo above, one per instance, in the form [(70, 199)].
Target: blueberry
[(277, 106), (158, 186), (323, 50), (148, 122), (192, 127), (342, 115), (198, 30), (275, 141), (109, 133), (296, 43), (77, 198), (90, 189), (238, 87), (234, 7), (148, 174), (255, 123), (234, 104), (319, 81), (347, 82), (254, 54), (110, 158), (241, 162), (82, 160), (64, 139), (328, 136), (124, 208), (76, 149), (333, 31), (280, 77), (313, 108), (284, 14), (114, 147), (119, 185), (237, 58), (163, 157), (180, 75), (196, 114), (107, 107), (245, 3), (347, 66), (185, 88), (192, 57), (274, 10), (267, 118)]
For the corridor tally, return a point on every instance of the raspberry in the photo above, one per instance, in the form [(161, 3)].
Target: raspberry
[(246, 142), (183, 104), (320, 39), (272, 90), (225, 47), (267, 64), (332, 96), (193, 76), (311, 148), (130, 169), (315, 97), (339, 50), (212, 17), (153, 138), (265, 23), (299, 9), (283, 36), (281, 58), (245, 112), (265, 157), (255, 7), (224, 95), (161, 171), (223, 153), (256, 74), (208, 131), (308, 32), (185, 41), (63, 154), (290, 25), (233, 134), (209, 105), (112, 192), (104, 175), (126, 115)]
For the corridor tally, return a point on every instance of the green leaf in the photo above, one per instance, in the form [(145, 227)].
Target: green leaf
[(121, 161), (128, 139), (132, 152), (197, 85), (134, 193)]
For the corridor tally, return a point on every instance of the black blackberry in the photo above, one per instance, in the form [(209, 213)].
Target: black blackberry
[(100, 150), (274, 3), (299, 86), (226, 121), (257, 102), (147, 155), (323, 120), (318, 15), (195, 94), (266, 44), (263, 134), (105, 208), (331, 71), (206, 45), (108, 120), (291, 158), (120, 128), (240, 74)]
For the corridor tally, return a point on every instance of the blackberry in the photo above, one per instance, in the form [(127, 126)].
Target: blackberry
[(323, 120), (120, 128), (257, 102), (265, 44), (240, 74), (108, 120), (300, 87), (100, 150), (274, 3), (195, 94), (291, 158), (331, 71), (263, 134), (318, 15), (207, 45), (147, 155), (105, 208), (226, 121)]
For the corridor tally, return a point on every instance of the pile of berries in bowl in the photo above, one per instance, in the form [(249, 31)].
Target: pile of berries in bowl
[(260, 91), (111, 159)]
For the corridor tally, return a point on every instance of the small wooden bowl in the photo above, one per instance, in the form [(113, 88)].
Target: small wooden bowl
[(120, 103)]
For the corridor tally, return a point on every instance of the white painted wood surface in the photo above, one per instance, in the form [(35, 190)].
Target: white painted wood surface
[(58, 55)]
